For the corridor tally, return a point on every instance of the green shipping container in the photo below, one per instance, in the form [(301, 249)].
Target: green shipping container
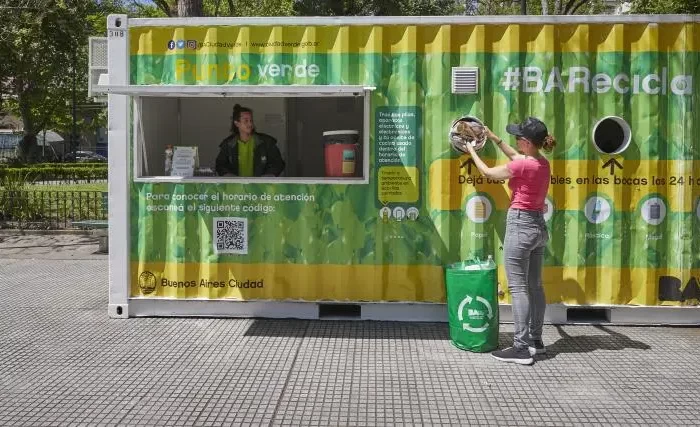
[(472, 306)]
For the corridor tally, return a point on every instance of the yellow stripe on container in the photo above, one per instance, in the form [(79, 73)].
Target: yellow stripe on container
[(395, 39), (450, 185), (399, 283)]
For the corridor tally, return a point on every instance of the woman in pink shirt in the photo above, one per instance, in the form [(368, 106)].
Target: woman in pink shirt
[(528, 173)]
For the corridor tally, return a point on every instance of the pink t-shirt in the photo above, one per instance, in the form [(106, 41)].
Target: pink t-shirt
[(529, 183)]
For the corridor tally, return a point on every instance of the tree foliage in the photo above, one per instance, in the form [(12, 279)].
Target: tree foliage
[(665, 6), (378, 7), (542, 7), (171, 8), (43, 43), (43, 56)]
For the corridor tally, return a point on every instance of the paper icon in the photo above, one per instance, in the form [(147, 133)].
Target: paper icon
[(478, 209)]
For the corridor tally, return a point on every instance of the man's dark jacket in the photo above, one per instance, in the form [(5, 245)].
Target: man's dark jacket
[(267, 159)]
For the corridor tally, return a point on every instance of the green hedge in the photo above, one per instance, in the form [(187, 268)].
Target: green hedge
[(55, 172)]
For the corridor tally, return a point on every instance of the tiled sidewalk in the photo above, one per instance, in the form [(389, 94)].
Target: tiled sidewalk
[(63, 361)]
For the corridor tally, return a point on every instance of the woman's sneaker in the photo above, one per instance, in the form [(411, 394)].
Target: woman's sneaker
[(521, 356), (537, 347)]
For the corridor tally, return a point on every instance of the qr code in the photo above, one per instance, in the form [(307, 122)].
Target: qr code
[(231, 235)]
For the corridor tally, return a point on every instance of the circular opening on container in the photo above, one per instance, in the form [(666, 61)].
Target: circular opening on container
[(119, 310), (459, 136), (611, 135)]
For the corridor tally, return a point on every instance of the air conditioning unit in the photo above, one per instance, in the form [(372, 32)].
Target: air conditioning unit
[(97, 60)]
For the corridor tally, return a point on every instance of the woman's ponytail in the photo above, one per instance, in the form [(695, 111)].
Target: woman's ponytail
[(549, 143)]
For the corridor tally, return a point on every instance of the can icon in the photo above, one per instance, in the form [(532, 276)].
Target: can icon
[(655, 211)]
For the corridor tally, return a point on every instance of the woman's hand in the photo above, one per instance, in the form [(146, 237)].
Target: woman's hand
[(490, 135), (471, 149)]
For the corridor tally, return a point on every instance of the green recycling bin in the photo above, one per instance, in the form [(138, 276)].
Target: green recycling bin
[(472, 305)]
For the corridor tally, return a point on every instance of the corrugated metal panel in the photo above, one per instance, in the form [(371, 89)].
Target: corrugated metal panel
[(624, 227)]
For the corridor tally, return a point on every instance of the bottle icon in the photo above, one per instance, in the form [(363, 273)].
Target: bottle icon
[(597, 207), (385, 214)]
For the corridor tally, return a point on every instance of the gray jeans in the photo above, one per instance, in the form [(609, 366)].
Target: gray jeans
[(526, 237)]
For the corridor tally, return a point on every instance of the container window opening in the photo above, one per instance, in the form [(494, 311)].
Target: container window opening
[(320, 138)]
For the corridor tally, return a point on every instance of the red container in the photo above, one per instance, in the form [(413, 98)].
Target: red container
[(341, 152)]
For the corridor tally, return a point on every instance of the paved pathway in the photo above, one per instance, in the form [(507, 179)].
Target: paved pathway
[(64, 362)]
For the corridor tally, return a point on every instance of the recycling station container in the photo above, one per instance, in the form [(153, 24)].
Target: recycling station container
[(472, 305), (341, 150)]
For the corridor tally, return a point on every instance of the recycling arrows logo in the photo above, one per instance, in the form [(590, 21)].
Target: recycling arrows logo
[(460, 314)]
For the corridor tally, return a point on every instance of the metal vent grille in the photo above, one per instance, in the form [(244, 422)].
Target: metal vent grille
[(98, 52), (97, 58), (465, 80)]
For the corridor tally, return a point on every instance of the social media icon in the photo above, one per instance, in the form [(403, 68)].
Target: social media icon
[(191, 44), (180, 44), (171, 44)]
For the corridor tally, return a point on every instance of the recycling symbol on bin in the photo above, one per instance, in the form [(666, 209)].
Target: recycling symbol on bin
[(474, 313)]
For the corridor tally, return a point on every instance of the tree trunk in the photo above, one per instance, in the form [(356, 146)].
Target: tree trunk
[(25, 110), (189, 8), (27, 149)]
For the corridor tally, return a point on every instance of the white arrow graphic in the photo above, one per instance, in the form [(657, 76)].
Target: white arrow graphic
[(488, 306), (464, 302), (466, 327), (460, 316)]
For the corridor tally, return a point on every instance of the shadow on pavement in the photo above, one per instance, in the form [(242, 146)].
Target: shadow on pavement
[(614, 341), (376, 330), (380, 330)]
